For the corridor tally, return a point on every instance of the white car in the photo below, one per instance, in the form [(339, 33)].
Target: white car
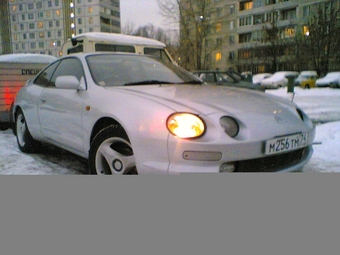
[(258, 78), (278, 80), (330, 80), (130, 114)]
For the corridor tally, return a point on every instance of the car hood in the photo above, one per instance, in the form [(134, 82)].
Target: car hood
[(209, 99)]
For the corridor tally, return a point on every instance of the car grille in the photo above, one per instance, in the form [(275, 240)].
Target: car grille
[(272, 163)]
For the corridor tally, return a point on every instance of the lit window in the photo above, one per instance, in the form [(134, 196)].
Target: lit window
[(40, 24), (218, 56), (90, 9), (57, 12), (218, 27), (14, 8)]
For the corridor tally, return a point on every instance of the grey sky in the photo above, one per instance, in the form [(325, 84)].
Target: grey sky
[(140, 12)]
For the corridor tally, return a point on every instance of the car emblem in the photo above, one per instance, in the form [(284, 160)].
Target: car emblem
[(278, 119)]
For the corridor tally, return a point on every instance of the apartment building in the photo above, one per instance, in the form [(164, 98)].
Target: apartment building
[(42, 26), (236, 29)]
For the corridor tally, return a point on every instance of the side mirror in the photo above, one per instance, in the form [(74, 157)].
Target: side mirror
[(67, 82)]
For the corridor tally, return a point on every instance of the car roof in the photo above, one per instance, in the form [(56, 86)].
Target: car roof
[(119, 38)]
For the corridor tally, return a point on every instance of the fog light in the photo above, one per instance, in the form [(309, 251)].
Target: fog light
[(228, 168)]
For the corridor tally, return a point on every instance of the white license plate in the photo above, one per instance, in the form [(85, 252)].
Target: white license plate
[(286, 143)]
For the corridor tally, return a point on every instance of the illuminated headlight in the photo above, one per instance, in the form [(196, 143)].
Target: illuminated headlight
[(230, 126), (185, 125)]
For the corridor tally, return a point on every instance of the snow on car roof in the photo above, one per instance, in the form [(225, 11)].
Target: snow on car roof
[(27, 58), (120, 38)]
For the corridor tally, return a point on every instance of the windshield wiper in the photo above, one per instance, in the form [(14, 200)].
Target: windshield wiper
[(147, 82)]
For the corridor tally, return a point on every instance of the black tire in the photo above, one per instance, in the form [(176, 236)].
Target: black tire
[(4, 126), (25, 141), (307, 86), (111, 153)]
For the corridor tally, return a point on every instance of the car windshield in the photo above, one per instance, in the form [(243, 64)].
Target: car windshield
[(131, 70)]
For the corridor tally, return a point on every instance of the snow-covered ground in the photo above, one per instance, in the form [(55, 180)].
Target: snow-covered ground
[(321, 104)]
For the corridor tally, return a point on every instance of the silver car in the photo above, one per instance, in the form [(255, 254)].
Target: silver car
[(135, 114)]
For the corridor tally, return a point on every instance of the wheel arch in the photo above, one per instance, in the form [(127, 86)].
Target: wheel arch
[(101, 124)]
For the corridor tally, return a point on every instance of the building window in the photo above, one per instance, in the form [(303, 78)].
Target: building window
[(23, 17), (33, 45), (14, 8), (41, 35), (39, 5), (80, 21), (231, 40), (90, 9), (49, 3), (218, 56), (90, 20), (57, 12), (31, 26), (24, 36), (289, 32), (49, 34), (57, 23), (306, 11), (30, 6), (32, 35), (30, 16), (48, 14), (244, 38), (232, 9), (22, 27), (15, 27), (50, 24), (288, 14), (244, 6), (14, 18), (56, 2), (41, 45), (245, 21), (218, 27), (40, 14)]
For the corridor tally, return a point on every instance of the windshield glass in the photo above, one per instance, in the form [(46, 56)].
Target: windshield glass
[(128, 70)]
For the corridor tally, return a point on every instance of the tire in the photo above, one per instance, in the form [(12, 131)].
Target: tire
[(25, 141), (307, 86), (111, 153)]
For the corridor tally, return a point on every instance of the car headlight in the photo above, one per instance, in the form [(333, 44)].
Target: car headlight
[(230, 126), (185, 125)]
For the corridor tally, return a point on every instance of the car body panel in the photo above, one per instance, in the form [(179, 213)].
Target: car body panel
[(67, 118)]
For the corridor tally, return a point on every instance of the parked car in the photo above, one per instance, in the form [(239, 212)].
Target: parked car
[(330, 80), (225, 78), (306, 79), (136, 114), (277, 80), (257, 78), (15, 70)]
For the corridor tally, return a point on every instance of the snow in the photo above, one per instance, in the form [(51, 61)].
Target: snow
[(27, 58), (322, 105)]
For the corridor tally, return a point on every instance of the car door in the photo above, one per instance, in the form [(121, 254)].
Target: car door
[(60, 110)]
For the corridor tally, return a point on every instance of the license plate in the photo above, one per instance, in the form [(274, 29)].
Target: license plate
[(286, 143)]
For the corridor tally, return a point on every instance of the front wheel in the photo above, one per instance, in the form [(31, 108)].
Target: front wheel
[(26, 143), (111, 153)]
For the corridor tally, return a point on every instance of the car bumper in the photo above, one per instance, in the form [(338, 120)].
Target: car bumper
[(246, 157)]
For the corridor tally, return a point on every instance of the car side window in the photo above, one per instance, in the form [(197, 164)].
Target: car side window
[(68, 66), (210, 77), (45, 76)]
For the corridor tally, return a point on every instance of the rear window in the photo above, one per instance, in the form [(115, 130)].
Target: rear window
[(77, 49), (114, 48), (159, 53)]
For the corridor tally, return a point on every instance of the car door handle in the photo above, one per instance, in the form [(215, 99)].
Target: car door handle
[(43, 100)]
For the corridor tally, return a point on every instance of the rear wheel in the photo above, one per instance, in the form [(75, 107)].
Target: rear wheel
[(111, 153), (26, 143), (307, 86)]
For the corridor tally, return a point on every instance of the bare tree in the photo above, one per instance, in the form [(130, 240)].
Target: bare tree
[(194, 19), (323, 41), (129, 28)]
